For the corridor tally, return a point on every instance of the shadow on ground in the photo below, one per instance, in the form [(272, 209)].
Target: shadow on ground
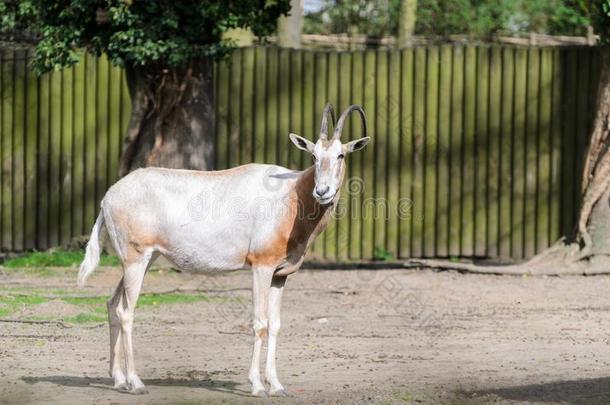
[(575, 392), (225, 386)]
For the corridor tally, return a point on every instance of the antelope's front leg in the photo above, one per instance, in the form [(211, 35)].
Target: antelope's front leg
[(275, 303), (261, 284)]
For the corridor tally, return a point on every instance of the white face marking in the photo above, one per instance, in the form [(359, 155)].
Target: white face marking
[(329, 167)]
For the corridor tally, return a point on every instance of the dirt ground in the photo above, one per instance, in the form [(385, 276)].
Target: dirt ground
[(381, 337)]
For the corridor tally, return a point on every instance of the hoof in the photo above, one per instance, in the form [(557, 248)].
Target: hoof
[(281, 392), (261, 393), (139, 391), (122, 387), (130, 389)]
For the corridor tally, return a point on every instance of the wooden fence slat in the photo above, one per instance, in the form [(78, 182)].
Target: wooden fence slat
[(271, 151), (31, 174), (79, 227), (114, 124), (260, 105), (101, 162), (380, 148), (235, 100), (444, 198), (481, 202), (469, 147), (568, 182), (456, 150), (247, 111), (284, 107), (543, 157), (222, 115), (91, 117), (406, 153), (556, 144), (493, 152), (583, 116), (393, 154), (296, 105), (356, 162), (65, 169), (506, 133), (519, 145), (344, 215), (5, 132), (19, 112), (419, 103), (42, 212), (369, 204), (531, 142), (7, 89), (430, 152), (55, 160)]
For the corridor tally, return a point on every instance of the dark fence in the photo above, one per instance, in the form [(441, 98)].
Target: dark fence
[(476, 151)]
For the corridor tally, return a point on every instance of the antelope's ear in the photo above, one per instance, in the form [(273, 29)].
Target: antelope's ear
[(302, 143), (355, 145)]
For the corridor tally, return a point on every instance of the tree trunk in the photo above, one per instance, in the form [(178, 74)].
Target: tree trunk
[(172, 118), (406, 22), (594, 219), (289, 27)]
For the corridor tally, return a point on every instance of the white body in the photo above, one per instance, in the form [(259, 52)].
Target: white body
[(205, 220)]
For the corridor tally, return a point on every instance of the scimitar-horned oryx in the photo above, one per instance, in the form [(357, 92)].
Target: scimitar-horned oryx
[(255, 216)]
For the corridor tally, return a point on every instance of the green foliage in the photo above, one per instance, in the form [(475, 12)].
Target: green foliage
[(379, 253), (18, 20), (478, 18), (600, 11), (374, 18), (56, 258), (159, 33)]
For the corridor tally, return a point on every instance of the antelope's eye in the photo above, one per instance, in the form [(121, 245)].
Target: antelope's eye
[(341, 156)]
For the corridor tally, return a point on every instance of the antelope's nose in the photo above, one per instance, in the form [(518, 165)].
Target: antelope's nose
[(321, 190)]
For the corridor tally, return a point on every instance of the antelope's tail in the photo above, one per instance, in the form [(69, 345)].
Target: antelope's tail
[(93, 251)]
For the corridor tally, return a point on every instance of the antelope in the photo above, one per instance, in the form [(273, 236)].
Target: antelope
[(256, 216)]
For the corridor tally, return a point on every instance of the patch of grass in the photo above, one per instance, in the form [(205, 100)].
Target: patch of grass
[(161, 299), (382, 254), (85, 317), (42, 272), (56, 258), (94, 308), (12, 303)]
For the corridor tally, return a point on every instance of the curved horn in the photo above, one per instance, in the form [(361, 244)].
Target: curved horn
[(339, 127), (324, 127)]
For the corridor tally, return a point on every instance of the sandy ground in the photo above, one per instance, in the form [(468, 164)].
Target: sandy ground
[(381, 337)]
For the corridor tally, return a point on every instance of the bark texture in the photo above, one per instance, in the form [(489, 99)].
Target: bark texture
[(289, 27), (172, 119), (595, 209), (406, 23)]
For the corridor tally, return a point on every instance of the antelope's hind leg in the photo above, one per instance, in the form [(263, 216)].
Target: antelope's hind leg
[(121, 315), (116, 351)]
